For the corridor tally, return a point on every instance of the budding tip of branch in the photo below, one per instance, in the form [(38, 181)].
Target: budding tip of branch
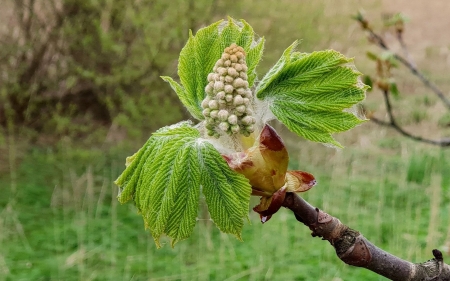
[(438, 255)]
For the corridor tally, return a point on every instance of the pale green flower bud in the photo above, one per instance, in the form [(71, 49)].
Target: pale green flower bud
[(221, 95), (250, 128), (219, 63), (243, 75), (235, 129), (205, 102), (247, 120), (245, 133), (213, 104), (211, 77), (209, 89), (229, 98), (222, 104), (232, 119), (213, 114), (206, 112), (224, 126), (240, 108), (232, 72), (221, 71), (246, 101), (218, 86), (241, 91), (238, 83), (223, 115), (228, 89), (238, 100)]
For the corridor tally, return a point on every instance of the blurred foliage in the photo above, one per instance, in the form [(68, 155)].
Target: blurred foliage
[(89, 69), (79, 68)]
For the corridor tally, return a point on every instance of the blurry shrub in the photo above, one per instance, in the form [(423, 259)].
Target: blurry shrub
[(82, 67)]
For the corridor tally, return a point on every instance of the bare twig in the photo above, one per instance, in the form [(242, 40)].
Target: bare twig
[(393, 124), (379, 41), (405, 49), (354, 249)]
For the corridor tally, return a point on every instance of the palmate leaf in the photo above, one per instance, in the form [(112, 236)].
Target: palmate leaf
[(201, 52), (309, 92), (227, 193), (164, 179)]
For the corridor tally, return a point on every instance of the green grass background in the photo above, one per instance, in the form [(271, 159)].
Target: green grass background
[(60, 220)]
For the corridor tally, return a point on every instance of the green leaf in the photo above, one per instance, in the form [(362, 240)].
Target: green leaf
[(368, 81), (394, 89), (227, 193), (201, 52), (372, 56), (310, 92), (158, 182), (164, 179)]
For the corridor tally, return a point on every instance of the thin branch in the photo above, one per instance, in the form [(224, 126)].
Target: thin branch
[(393, 124), (378, 40), (354, 249), (405, 49)]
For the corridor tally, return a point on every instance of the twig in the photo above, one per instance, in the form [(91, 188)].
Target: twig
[(405, 49), (393, 124), (354, 249), (378, 40)]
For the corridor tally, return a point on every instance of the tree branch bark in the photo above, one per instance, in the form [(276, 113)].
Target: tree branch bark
[(354, 249)]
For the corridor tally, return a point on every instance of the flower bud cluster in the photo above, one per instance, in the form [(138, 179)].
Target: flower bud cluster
[(228, 103)]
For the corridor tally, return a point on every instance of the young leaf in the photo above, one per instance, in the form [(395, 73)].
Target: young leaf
[(163, 184), (227, 193), (164, 180), (372, 56), (368, 81), (201, 52), (309, 92), (394, 89)]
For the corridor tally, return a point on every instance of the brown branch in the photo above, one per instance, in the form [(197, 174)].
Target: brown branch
[(354, 249), (393, 124), (379, 41), (405, 49)]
